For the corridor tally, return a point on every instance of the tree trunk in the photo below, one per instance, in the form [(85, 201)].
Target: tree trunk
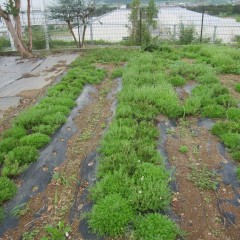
[(17, 42), (84, 32), (71, 30), (18, 25), (29, 27)]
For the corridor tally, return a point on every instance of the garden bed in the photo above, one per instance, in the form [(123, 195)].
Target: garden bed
[(161, 155)]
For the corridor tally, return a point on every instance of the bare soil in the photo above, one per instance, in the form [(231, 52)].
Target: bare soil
[(60, 193)]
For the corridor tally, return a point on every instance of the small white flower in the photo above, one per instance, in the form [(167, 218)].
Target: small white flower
[(142, 178), (140, 192)]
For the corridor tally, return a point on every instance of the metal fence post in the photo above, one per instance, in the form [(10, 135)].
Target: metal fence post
[(214, 34), (203, 12)]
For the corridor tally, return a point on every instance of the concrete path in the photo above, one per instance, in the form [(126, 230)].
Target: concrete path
[(17, 75)]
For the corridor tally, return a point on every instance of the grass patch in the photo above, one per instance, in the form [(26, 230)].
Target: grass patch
[(237, 87)]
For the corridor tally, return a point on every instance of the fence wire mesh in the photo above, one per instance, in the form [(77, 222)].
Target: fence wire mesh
[(174, 24)]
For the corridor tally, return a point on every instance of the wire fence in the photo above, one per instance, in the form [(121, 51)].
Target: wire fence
[(173, 24)]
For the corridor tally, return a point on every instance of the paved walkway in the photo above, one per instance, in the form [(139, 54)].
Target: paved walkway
[(17, 75)]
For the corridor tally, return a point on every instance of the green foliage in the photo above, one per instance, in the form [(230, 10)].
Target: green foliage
[(202, 177), (233, 114), (2, 214), (155, 226), (237, 87), (238, 172), (183, 149), (20, 210), (57, 233), (110, 216), (8, 144), (30, 235), (117, 72), (15, 132), (37, 140), (18, 159), (187, 34), (7, 189), (4, 43), (177, 81), (231, 140), (213, 111), (151, 188)]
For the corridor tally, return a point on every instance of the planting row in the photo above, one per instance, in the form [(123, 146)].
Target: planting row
[(133, 185), (31, 130)]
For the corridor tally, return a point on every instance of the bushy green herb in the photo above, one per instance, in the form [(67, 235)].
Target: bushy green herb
[(110, 216), (183, 149), (155, 226), (15, 132), (37, 140), (117, 72), (237, 87), (7, 189)]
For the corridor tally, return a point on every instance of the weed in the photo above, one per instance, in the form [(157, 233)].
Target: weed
[(207, 199), (177, 81), (202, 177), (2, 214), (183, 149), (170, 131), (233, 114), (213, 111), (20, 210), (110, 216), (195, 150), (60, 178), (117, 72), (238, 173), (30, 235), (237, 87), (147, 227), (7, 189), (60, 232), (231, 140)]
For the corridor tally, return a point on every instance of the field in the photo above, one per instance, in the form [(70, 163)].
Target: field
[(130, 144)]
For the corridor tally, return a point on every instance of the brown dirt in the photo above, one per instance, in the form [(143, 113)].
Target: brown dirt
[(229, 81), (58, 197), (202, 217)]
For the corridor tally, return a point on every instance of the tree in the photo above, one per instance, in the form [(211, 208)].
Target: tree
[(152, 13), (135, 21), (73, 12), (12, 20)]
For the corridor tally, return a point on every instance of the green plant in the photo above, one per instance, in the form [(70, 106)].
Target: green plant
[(37, 140), (187, 34), (117, 72), (237, 87), (213, 111), (30, 235), (231, 140), (202, 177), (4, 43), (177, 81), (238, 173), (183, 149), (110, 216), (7, 189), (2, 214), (60, 232), (20, 210), (14, 132), (233, 114), (155, 226)]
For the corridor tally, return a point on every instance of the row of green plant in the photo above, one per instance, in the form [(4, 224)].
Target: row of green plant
[(133, 184), (31, 130)]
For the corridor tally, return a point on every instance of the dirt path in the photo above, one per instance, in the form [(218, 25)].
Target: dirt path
[(55, 203)]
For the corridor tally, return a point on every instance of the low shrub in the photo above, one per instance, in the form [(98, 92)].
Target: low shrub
[(14, 132), (7, 189), (155, 226), (45, 129), (221, 128), (8, 144), (117, 72), (214, 111), (238, 173), (233, 114), (2, 214), (110, 216), (231, 140), (151, 188), (37, 140), (23, 154), (177, 81), (237, 87)]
